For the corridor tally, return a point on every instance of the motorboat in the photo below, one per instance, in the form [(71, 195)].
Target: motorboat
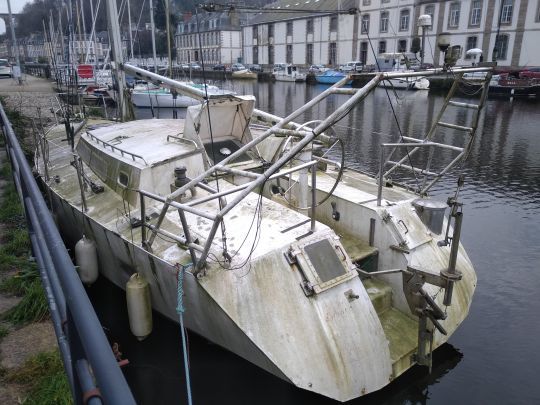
[(330, 77), (285, 72), (244, 74)]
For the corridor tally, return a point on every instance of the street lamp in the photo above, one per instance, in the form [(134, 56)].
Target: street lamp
[(424, 21)]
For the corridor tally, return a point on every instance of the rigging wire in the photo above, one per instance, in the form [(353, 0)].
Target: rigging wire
[(205, 84)]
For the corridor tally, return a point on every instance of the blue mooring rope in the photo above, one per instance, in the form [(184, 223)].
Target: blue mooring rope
[(180, 310)]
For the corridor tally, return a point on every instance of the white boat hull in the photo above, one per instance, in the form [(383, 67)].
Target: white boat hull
[(149, 99)]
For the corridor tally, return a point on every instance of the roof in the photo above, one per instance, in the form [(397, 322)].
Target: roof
[(278, 11)]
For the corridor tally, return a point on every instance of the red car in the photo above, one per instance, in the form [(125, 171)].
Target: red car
[(530, 73)]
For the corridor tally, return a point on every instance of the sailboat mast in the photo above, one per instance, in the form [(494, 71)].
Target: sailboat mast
[(152, 28), (116, 48), (168, 36), (129, 29)]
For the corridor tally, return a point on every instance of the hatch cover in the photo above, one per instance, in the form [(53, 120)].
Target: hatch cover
[(325, 260)]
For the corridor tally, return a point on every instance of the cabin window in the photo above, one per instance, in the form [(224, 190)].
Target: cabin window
[(453, 15), (404, 17), (383, 27), (476, 13), (507, 10), (123, 179)]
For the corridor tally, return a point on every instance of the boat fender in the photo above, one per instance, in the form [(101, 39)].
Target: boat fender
[(86, 259), (139, 306)]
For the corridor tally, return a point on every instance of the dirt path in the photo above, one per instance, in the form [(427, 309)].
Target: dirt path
[(22, 343)]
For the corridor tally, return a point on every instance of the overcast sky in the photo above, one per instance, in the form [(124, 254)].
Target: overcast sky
[(16, 6)]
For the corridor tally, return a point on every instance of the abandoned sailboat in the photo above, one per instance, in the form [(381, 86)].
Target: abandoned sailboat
[(326, 278)]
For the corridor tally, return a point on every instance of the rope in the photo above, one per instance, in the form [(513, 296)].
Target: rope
[(180, 310)]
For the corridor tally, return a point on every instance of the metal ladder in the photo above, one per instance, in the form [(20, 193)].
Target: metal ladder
[(418, 144)]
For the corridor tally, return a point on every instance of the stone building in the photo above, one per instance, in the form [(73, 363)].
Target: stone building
[(330, 32), (212, 38)]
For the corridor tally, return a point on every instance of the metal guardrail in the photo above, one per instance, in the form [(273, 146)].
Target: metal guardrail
[(91, 368)]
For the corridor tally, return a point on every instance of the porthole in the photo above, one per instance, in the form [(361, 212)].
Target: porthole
[(123, 179)]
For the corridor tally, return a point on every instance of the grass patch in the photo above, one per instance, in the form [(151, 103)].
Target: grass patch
[(45, 379), (33, 306), (4, 331)]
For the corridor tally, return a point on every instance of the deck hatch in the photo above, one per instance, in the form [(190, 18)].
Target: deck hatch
[(324, 259)]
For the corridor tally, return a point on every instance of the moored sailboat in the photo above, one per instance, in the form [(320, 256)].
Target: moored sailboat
[(326, 278)]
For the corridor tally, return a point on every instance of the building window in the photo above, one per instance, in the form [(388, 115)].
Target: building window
[(289, 28), (402, 45), (382, 47), (538, 11), (453, 15), (501, 47), (385, 1), (507, 10), (270, 30), (383, 26), (255, 55), (404, 19), (363, 52), (289, 54), (255, 32), (471, 43), (430, 10), (333, 23), (309, 54), (332, 53), (365, 24), (366, 2), (271, 54), (476, 13), (309, 26)]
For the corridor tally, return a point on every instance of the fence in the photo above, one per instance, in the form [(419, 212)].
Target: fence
[(91, 368)]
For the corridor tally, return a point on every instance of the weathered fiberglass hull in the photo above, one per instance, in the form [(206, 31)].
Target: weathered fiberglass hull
[(340, 302)]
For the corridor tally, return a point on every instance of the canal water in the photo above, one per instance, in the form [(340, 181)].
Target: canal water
[(494, 356)]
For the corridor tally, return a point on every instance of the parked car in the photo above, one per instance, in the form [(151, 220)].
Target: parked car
[(256, 68), (185, 66), (530, 73), (219, 66), (238, 66), (5, 68), (194, 66), (354, 66), (318, 69)]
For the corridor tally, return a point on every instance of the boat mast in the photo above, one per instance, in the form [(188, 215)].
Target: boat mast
[(116, 49), (168, 37), (15, 47), (130, 31), (152, 28)]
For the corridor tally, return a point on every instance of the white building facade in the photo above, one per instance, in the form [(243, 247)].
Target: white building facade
[(217, 39), (383, 26)]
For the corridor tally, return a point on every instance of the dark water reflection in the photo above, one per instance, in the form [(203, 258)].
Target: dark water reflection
[(493, 356)]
